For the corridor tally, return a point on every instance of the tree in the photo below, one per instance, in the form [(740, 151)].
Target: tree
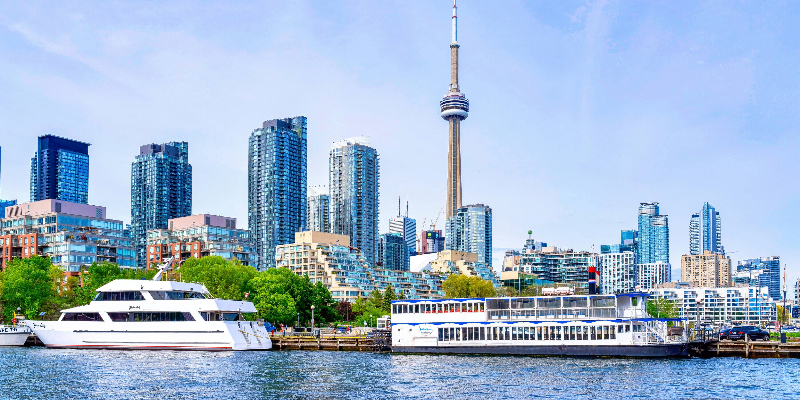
[(271, 295), (661, 308), (30, 284), (325, 306), (345, 310), (462, 286), (376, 299), (224, 279), (388, 296)]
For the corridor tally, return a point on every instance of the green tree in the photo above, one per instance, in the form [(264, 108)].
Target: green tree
[(388, 296), (324, 304), (461, 286), (224, 279), (376, 299), (661, 308), (270, 292), (30, 284)]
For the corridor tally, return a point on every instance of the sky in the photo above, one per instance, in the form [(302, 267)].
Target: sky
[(579, 110)]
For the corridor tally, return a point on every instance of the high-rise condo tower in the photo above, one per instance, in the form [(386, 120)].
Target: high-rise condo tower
[(455, 108)]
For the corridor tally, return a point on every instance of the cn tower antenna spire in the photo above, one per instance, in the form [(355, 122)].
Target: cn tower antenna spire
[(455, 23)]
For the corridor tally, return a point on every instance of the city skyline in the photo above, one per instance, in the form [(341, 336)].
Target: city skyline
[(648, 135)]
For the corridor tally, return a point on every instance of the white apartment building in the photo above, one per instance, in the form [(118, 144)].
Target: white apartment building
[(726, 305), (618, 272)]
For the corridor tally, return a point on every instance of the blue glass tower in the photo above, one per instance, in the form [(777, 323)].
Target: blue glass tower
[(705, 231), (161, 189), (60, 170), (653, 245), (277, 186), (354, 183), (470, 230), (393, 252), (765, 271)]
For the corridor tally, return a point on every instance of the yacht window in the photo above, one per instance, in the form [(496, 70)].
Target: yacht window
[(441, 334), (481, 307), (470, 333), (627, 328), (82, 317), (159, 316), (183, 295), (612, 334), (416, 308), (119, 296), (231, 317), (483, 333)]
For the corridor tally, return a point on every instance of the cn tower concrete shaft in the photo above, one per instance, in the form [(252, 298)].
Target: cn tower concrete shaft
[(455, 108)]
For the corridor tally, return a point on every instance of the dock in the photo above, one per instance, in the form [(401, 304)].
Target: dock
[(343, 343), (746, 349)]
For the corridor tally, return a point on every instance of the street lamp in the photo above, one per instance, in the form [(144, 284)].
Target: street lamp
[(312, 317), (370, 321), (298, 319)]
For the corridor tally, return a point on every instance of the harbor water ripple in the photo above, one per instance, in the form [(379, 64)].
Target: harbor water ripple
[(95, 374)]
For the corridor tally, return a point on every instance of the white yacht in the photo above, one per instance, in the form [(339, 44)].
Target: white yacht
[(588, 325), (14, 335), (139, 314)]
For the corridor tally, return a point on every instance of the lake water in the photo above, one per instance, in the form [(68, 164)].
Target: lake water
[(77, 374)]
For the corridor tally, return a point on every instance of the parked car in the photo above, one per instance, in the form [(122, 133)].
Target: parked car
[(752, 332), (723, 334)]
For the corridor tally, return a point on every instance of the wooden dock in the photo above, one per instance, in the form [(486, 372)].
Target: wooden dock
[(343, 343), (749, 349)]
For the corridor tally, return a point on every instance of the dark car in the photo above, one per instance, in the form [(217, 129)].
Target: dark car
[(752, 332), (723, 334)]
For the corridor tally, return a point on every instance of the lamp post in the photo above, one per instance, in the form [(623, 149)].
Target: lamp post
[(312, 317), (298, 319), (370, 321)]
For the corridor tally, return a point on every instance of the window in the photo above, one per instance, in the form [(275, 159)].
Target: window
[(119, 296), (158, 317), (82, 317)]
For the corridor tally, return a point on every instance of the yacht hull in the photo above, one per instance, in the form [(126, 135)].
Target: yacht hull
[(206, 336), (643, 351), (13, 335)]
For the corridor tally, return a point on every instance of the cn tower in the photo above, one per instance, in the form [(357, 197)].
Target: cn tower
[(455, 108)]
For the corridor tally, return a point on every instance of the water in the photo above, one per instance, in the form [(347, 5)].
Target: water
[(77, 374)]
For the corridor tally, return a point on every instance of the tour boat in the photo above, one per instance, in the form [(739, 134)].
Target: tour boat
[(14, 335), (571, 325), (140, 314)]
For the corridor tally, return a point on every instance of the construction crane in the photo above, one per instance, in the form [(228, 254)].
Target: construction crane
[(419, 236), (433, 225)]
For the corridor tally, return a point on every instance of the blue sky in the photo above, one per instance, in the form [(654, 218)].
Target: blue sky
[(579, 110)]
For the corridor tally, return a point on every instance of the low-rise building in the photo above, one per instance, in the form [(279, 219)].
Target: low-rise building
[(329, 258), (725, 305), (199, 236), (560, 266), (460, 262), (71, 234), (706, 270)]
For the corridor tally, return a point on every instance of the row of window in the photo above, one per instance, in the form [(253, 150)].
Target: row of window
[(119, 296), (604, 332), (151, 317), (436, 308)]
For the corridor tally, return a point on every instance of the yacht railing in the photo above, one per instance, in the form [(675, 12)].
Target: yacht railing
[(656, 332)]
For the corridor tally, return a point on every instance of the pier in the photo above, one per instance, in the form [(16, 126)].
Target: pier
[(746, 349), (336, 343)]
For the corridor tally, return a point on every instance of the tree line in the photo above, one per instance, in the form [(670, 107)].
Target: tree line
[(37, 289)]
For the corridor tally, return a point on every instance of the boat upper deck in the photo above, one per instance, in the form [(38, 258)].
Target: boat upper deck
[(538, 308)]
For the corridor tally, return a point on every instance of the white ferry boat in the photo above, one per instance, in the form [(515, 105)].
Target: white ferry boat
[(14, 335), (587, 325), (139, 314)]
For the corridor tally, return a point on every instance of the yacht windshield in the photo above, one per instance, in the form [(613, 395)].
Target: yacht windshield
[(118, 296)]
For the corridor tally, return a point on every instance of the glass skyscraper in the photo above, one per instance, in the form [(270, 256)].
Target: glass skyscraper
[(470, 230), (277, 186), (60, 170), (161, 189), (764, 271), (705, 231), (393, 252), (319, 204), (354, 183), (653, 245)]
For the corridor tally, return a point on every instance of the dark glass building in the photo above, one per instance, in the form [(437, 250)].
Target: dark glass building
[(277, 186), (161, 189), (60, 170), (393, 252)]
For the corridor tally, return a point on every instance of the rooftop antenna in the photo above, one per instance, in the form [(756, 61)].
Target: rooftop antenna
[(398, 207), (406, 208)]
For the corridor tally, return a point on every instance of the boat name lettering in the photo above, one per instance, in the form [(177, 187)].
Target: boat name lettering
[(39, 325), (8, 330), (134, 308), (426, 331)]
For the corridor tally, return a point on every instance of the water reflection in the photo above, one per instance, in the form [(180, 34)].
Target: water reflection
[(43, 373)]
